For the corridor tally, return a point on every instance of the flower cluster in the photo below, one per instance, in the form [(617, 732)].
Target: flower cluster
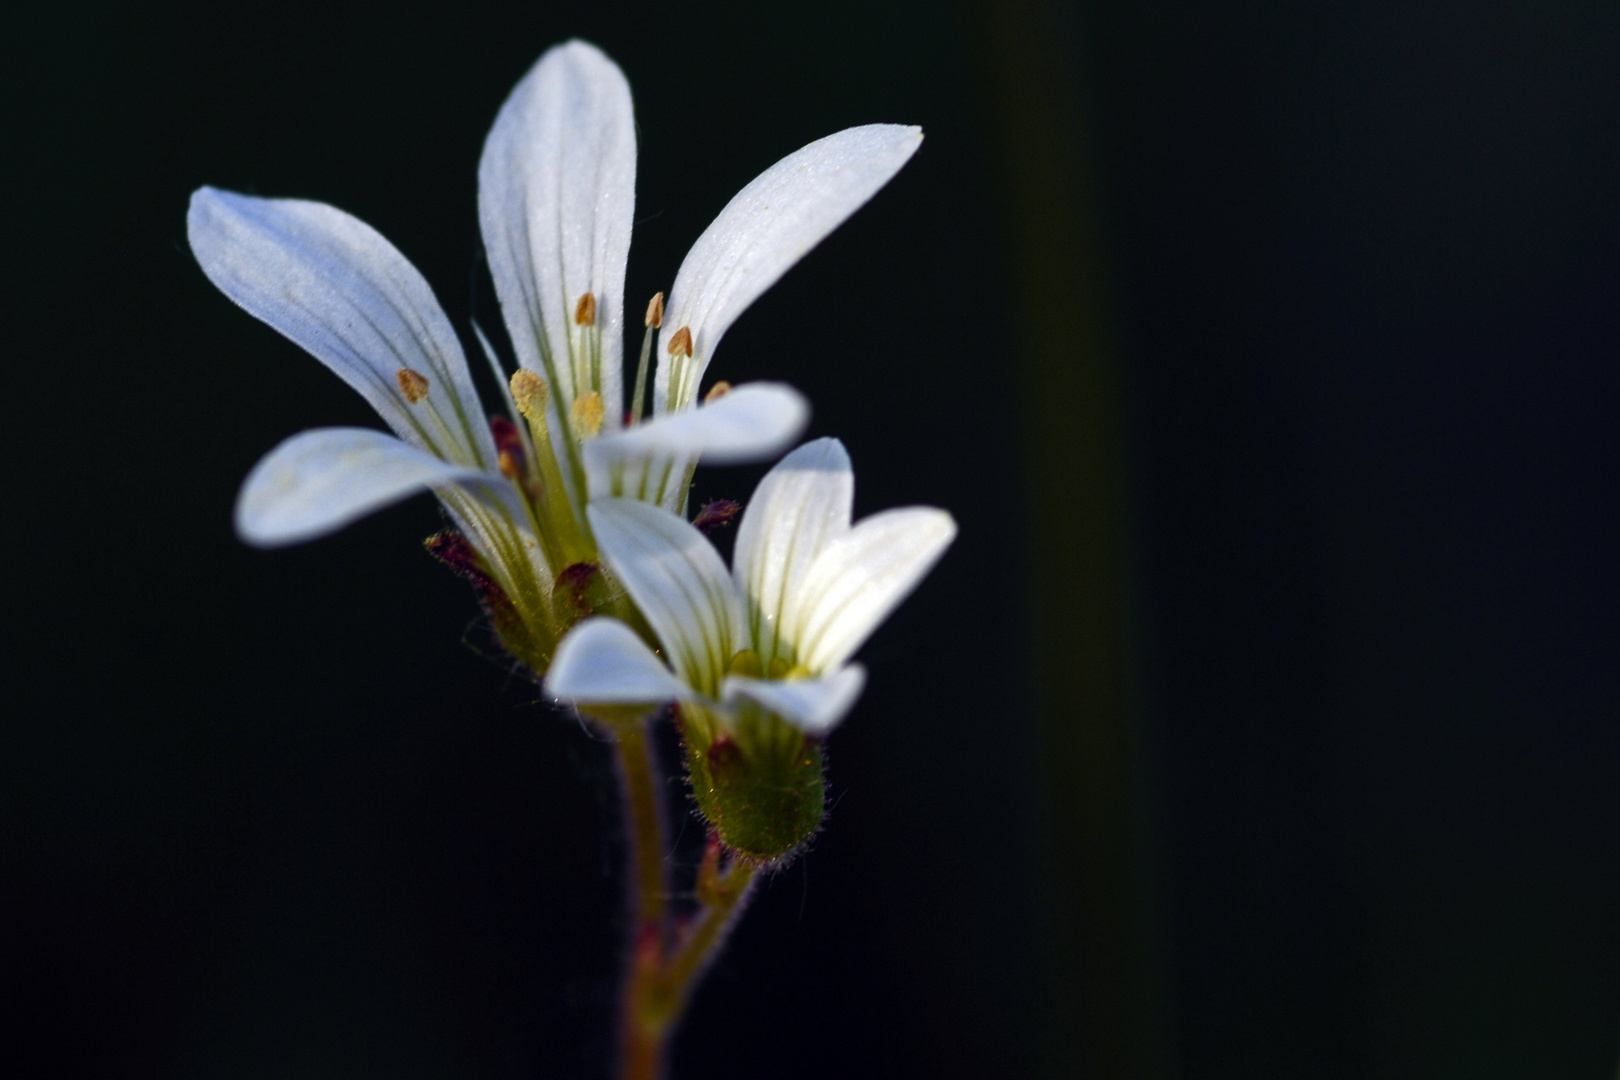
[(568, 505)]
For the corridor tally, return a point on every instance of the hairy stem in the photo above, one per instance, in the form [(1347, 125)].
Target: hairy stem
[(665, 963), (644, 822)]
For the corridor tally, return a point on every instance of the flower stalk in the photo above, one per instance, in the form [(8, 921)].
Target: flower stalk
[(666, 956)]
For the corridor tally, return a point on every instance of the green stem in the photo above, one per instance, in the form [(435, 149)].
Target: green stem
[(644, 821), (664, 967), (704, 938), (661, 983)]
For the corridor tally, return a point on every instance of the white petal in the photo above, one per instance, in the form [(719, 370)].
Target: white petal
[(492, 516), (317, 482), (814, 706), (676, 578), (331, 283), (862, 576), (556, 198), (602, 660), (801, 507), (770, 225), (753, 422)]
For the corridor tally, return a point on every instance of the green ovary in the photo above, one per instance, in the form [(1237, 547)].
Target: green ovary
[(759, 785)]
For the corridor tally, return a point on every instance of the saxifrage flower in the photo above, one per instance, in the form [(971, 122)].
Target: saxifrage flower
[(556, 202), (766, 642)]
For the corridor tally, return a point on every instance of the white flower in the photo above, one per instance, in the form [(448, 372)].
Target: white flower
[(556, 201), (806, 590)]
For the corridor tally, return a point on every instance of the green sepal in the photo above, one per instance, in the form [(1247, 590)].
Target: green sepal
[(579, 592), (515, 635), (758, 781), (518, 637)]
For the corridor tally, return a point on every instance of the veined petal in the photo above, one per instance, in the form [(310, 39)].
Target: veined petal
[(861, 577), (814, 706), (676, 578), (770, 225), (602, 660), (317, 482), (335, 286), (556, 199), (753, 421), (490, 514), (801, 507), (647, 462)]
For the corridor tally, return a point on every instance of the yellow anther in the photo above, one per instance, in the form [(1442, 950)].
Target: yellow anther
[(717, 391), (796, 672), (412, 384), (655, 311), (585, 310), (530, 393), (779, 667), (746, 662), (586, 414), (509, 465), (681, 342)]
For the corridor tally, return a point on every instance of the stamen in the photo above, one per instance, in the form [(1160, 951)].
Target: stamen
[(655, 319), (586, 414), (530, 393), (681, 342), (509, 448), (680, 350), (412, 384), (532, 470), (717, 391), (585, 311)]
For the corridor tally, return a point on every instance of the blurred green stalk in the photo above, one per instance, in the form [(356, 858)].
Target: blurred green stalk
[(1107, 1016)]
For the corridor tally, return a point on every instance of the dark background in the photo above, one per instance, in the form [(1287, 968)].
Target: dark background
[(1261, 723)]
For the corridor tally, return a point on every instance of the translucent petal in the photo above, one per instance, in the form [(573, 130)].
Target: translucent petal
[(814, 706), (602, 660), (331, 283), (770, 225), (317, 482), (862, 576), (801, 506), (556, 199), (491, 514), (676, 578), (753, 422)]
